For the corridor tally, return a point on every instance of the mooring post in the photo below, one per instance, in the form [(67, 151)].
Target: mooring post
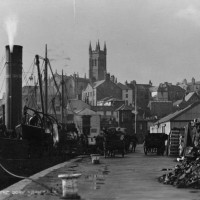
[(95, 158), (69, 186)]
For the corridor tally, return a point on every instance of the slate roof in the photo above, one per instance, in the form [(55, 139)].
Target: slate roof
[(86, 111), (77, 105), (123, 87), (97, 83), (174, 115), (176, 103), (124, 107), (187, 98), (110, 99)]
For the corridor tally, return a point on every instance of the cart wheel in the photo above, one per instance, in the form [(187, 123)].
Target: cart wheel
[(145, 150)]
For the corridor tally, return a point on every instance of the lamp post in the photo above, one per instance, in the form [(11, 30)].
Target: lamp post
[(135, 107)]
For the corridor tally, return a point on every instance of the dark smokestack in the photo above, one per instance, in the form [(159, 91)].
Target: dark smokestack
[(13, 107)]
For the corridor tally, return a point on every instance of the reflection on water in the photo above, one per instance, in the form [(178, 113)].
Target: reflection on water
[(97, 179)]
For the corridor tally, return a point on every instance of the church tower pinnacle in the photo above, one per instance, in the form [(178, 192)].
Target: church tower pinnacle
[(105, 49), (97, 62)]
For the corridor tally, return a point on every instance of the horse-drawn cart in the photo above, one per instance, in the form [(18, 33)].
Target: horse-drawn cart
[(155, 143), (114, 143)]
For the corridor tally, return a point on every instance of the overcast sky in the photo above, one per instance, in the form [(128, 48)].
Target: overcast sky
[(157, 40)]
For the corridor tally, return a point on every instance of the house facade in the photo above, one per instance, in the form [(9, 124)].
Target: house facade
[(140, 94), (101, 89), (167, 92), (127, 94), (88, 122)]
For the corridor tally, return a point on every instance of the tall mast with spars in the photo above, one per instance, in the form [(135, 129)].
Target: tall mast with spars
[(46, 81)]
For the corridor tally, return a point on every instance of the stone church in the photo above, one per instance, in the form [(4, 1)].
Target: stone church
[(97, 63)]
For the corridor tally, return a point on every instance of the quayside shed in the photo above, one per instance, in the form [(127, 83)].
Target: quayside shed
[(178, 119)]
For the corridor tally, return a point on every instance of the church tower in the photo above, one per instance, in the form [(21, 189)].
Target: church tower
[(97, 62)]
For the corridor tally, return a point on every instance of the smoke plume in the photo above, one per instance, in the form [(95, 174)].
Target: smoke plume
[(11, 29)]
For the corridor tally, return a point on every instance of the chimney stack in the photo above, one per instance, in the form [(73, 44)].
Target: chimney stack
[(112, 78), (107, 76), (13, 107)]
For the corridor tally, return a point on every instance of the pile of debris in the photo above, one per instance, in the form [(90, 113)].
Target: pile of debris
[(185, 175)]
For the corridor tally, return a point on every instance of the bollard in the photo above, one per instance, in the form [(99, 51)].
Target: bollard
[(95, 158), (69, 186)]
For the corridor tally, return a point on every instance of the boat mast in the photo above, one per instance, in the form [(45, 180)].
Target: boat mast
[(37, 62), (46, 81), (62, 99), (135, 108)]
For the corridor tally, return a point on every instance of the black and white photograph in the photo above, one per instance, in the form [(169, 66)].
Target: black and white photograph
[(100, 99)]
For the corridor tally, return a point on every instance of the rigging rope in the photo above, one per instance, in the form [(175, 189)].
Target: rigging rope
[(2, 85), (25, 76), (50, 189), (2, 69)]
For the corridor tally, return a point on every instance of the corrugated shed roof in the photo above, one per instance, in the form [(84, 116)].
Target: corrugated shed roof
[(176, 114)]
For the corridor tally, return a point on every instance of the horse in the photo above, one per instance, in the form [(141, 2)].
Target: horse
[(114, 142), (130, 143)]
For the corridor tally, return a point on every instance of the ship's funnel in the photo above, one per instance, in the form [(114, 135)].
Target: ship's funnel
[(13, 106)]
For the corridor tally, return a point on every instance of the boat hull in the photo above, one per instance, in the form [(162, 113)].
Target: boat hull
[(23, 158)]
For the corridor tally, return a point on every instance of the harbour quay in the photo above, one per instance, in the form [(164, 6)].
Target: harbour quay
[(133, 177)]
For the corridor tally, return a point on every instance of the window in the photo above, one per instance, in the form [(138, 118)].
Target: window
[(126, 95)]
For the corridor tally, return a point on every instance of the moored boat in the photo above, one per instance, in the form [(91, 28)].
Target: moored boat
[(29, 143)]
